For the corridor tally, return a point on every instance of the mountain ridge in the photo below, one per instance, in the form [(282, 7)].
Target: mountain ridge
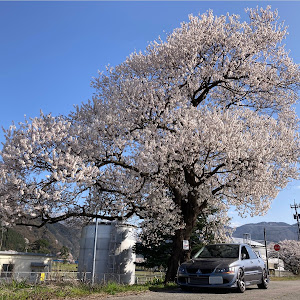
[(275, 231), (52, 236)]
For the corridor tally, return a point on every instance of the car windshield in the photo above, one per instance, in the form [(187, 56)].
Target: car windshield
[(218, 251)]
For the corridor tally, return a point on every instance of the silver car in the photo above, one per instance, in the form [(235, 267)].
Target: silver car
[(224, 266)]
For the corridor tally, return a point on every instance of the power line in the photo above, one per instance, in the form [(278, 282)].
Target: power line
[(297, 217)]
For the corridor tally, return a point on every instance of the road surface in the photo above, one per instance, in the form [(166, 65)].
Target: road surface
[(278, 290)]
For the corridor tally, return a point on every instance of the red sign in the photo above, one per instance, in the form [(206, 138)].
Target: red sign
[(276, 247)]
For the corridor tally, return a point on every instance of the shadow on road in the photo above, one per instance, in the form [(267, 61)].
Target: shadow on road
[(177, 290)]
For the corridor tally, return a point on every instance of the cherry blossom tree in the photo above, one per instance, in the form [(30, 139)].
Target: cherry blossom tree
[(202, 119), (289, 253)]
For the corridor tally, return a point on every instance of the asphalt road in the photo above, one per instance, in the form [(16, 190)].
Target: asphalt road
[(287, 290)]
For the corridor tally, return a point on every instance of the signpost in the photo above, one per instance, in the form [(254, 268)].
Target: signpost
[(277, 248), (185, 245)]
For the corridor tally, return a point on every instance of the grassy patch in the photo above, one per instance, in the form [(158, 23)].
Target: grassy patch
[(41, 292), (161, 287), (115, 288), (64, 267), (23, 291)]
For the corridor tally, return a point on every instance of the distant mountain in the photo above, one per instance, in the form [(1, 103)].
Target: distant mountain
[(275, 231), (57, 235), (67, 236)]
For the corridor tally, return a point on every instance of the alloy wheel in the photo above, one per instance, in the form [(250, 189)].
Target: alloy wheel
[(241, 285)]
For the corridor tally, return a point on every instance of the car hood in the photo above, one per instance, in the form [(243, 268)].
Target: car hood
[(209, 263)]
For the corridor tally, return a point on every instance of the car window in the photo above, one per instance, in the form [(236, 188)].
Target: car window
[(219, 251), (245, 253), (258, 254), (252, 254)]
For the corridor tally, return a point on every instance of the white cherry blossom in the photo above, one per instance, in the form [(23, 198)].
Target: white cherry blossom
[(205, 118)]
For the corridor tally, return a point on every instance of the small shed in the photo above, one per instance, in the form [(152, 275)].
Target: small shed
[(23, 265)]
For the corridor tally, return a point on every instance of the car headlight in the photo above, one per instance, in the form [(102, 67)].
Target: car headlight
[(228, 270), (181, 270)]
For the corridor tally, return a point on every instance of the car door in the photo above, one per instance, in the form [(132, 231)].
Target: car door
[(250, 264), (256, 270), (247, 265)]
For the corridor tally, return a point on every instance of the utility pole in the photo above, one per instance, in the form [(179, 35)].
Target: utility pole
[(95, 250), (266, 249), (297, 217)]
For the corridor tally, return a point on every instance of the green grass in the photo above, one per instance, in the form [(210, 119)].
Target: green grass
[(115, 288), (22, 290), (58, 266)]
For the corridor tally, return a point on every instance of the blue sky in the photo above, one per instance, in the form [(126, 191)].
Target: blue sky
[(49, 52)]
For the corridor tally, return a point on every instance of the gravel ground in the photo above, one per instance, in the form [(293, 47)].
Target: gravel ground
[(278, 290)]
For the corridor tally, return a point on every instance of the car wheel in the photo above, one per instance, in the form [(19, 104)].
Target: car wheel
[(240, 281), (264, 281)]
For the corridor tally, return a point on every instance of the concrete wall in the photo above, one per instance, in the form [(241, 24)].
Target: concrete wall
[(24, 263)]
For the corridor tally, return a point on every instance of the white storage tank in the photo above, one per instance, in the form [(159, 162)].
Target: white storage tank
[(109, 257)]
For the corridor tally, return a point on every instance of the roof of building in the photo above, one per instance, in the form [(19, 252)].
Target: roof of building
[(249, 242), (13, 252)]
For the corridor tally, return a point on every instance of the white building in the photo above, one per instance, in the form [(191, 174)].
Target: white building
[(20, 265)]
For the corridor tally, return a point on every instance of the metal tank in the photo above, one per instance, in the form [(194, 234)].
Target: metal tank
[(109, 256)]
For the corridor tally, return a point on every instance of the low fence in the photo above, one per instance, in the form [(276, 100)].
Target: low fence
[(280, 273), (145, 278), (41, 277), (74, 276)]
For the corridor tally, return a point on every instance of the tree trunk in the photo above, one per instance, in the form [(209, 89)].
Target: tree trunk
[(178, 254), (175, 257), (190, 210)]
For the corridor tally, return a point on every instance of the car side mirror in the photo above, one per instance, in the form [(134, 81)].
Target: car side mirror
[(244, 256)]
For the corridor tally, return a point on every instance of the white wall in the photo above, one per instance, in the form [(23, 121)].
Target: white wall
[(23, 263)]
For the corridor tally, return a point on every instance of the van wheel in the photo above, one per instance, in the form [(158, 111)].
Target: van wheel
[(241, 285)]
